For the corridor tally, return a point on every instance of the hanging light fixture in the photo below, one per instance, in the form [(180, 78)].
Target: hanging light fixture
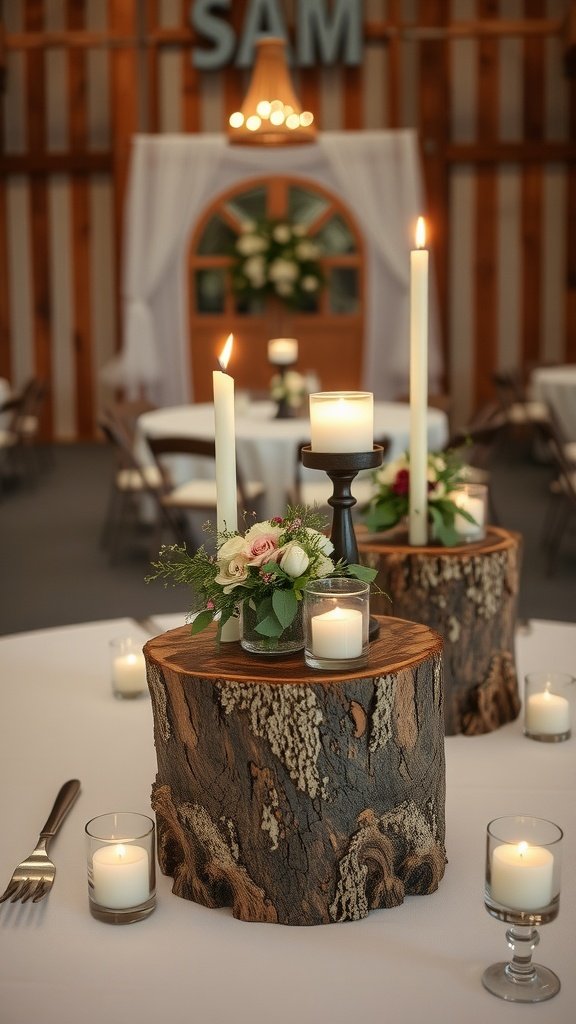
[(271, 114)]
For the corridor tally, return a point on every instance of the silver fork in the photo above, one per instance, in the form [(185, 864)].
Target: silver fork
[(34, 877)]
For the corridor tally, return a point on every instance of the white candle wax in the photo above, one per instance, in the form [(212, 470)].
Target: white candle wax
[(282, 351), (342, 421), (418, 492), (121, 876), (337, 633), (225, 437), (547, 713), (522, 876), (475, 508), (129, 673)]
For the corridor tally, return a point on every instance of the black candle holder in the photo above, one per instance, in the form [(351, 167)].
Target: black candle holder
[(342, 467)]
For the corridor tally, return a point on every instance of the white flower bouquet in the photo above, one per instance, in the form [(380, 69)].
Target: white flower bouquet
[(273, 257), (268, 566)]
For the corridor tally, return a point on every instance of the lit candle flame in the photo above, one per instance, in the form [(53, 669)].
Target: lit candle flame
[(420, 233), (522, 848), (226, 352), (120, 851)]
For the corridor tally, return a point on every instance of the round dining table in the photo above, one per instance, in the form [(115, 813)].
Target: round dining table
[(420, 961), (267, 446)]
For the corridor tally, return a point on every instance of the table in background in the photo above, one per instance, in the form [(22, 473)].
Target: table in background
[(267, 446), (420, 961), (556, 386)]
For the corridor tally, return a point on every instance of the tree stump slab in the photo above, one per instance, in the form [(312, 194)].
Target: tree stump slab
[(469, 594), (295, 796)]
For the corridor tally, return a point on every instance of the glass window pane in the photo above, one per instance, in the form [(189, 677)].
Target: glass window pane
[(343, 290), (210, 286), (249, 205), (216, 239), (304, 206), (335, 238)]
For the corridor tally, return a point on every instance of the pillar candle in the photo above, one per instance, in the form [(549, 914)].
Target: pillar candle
[(418, 496), (337, 633), (282, 351), (342, 421), (225, 437), (522, 876), (547, 713), (121, 876), (129, 673)]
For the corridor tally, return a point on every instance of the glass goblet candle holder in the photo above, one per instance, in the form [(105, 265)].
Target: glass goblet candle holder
[(523, 863), (547, 706)]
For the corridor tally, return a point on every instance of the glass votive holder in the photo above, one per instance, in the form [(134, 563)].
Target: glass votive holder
[(472, 501), (121, 862), (522, 888), (128, 667), (342, 421), (547, 706), (336, 617)]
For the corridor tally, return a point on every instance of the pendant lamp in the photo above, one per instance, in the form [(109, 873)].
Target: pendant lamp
[(271, 114)]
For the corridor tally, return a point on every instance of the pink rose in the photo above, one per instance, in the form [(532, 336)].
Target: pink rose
[(261, 543)]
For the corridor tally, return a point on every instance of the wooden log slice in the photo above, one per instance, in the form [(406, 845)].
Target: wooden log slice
[(296, 796), (469, 594)]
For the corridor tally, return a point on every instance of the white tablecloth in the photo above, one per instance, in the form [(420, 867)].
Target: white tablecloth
[(421, 961), (556, 385), (267, 447)]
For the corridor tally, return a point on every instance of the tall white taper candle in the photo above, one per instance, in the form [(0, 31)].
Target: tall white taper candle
[(225, 438), (418, 497)]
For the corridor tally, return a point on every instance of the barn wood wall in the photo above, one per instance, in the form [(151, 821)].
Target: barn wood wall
[(482, 81)]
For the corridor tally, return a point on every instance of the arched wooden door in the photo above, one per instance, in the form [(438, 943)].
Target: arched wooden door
[(329, 331)]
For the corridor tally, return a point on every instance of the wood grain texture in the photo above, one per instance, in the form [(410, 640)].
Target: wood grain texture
[(468, 594), (293, 796)]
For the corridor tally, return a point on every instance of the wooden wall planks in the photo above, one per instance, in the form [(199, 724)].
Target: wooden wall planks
[(481, 80)]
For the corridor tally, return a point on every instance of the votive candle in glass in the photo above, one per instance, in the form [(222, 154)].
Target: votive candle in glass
[(336, 623), (472, 499), (128, 667), (547, 706), (121, 866), (342, 421)]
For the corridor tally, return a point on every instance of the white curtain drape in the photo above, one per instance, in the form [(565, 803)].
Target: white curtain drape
[(173, 178)]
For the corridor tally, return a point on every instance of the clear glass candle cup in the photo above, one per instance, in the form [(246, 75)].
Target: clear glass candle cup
[(522, 888), (121, 861), (342, 421), (128, 668), (473, 499), (548, 699), (336, 617)]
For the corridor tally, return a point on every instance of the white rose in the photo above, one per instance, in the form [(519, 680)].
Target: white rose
[(306, 250), (231, 573), (387, 474), (310, 283), (249, 245), (282, 270), (324, 544), (282, 234), (324, 566), (254, 270), (231, 548), (294, 561)]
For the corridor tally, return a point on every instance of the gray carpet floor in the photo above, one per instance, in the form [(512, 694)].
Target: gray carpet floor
[(54, 570)]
